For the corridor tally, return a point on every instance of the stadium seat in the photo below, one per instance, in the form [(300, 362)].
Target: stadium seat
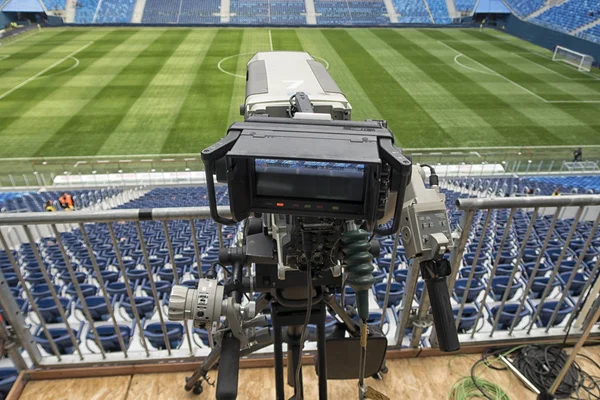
[(569, 15)]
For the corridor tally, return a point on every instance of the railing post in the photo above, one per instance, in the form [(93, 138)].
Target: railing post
[(13, 315)]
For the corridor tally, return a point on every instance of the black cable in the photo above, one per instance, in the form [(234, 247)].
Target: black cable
[(306, 249), (541, 364), (433, 178)]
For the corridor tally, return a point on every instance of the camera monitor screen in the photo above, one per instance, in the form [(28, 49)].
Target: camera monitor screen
[(315, 180)]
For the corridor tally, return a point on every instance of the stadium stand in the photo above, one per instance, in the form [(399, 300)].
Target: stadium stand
[(332, 12), (592, 34), (465, 5), (85, 11), (524, 8), (54, 5), (368, 12), (249, 12), (160, 12), (569, 15), (115, 11), (200, 12), (412, 12), (439, 10), (287, 12), (35, 201)]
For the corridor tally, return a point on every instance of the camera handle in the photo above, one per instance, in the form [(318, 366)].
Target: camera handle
[(401, 175), (209, 156)]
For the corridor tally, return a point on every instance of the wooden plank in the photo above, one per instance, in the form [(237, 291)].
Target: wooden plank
[(113, 388), (18, 386), (258, 362)]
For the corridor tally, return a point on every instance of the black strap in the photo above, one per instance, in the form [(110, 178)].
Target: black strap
[(145, 214)]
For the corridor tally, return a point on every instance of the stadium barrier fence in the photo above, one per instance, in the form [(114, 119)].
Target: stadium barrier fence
[(173, 169), (505, 306)]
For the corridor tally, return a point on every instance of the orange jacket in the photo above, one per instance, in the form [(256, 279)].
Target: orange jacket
[(66, 200)]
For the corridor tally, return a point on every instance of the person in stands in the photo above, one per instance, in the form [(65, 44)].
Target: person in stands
[(66, 202), (49, 206), (556, 192)]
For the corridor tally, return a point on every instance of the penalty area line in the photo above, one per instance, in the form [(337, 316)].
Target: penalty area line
[(20, 85), (270, 40), (496, 73)]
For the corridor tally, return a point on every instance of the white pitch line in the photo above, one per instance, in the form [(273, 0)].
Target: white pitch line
[(270, 40), (596, 77), (540, 65), (498, 74), (20, 85), (467, 67), (574, 101)]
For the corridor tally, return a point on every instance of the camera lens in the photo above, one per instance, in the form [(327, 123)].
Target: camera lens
[(182, 303)]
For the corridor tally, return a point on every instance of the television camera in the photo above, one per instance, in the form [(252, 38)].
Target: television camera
[(311, 188)]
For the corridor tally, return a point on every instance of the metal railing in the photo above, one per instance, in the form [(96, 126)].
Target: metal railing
[(168, 169), (106, 260)]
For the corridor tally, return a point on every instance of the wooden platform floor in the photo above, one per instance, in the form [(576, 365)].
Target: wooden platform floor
[(417, 378)]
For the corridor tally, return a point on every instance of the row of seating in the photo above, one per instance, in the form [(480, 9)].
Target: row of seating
[(412, 12), (439, 11), (85, 11), (115, 11), (35, 201), (592, 34), (182, 12), (465, 5), (570, 15), (351, 12), (253, 12), (524, 8), (55, 5)]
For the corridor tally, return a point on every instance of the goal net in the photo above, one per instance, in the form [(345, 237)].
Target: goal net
[(583, 62)]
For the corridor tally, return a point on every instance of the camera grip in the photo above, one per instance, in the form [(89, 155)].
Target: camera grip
[(229, 368), (443, 317)]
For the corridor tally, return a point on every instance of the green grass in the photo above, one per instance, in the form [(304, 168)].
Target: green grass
[(159, 91)]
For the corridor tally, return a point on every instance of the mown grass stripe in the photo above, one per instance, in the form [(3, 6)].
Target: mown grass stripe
[(394, 103), (509, 47), (87, 131), (35, 50), (578, 131), (490, 108), (315, 43), (203, 116), (155, 111), (286, 39), (23, 100), (253, 41), (501, 66), (586, 113)]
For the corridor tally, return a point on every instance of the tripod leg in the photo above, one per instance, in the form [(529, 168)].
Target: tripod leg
[(322, 355), (206, 366), (279, 390), (294, 354)]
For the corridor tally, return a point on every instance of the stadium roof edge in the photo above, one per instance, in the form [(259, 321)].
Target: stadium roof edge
[(24, 6)]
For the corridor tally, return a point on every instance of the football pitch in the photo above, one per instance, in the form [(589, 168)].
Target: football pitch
[(127, 91)]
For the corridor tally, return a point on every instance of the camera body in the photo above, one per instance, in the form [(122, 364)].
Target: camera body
[(311, 187)]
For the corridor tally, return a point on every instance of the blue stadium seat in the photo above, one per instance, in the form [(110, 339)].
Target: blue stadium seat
[(439, 10), (115, 11), (569, 15), (525, 7), (85, 11), (412, 12), (55, 5)]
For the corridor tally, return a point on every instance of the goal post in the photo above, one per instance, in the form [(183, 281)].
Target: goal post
[(583, 62)]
